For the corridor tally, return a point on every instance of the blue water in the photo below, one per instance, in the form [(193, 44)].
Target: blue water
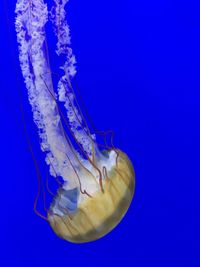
[(139, 74)]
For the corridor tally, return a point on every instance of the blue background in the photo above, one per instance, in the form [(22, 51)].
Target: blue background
[(138, 72)]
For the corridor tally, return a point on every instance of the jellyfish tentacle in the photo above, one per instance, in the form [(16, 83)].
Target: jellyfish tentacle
[(47, 186), (68, 140), (65, 92), (62, 32), (38, 173), (85, 127), (74, 118), (78, 143), (34, 63), (94, 128)]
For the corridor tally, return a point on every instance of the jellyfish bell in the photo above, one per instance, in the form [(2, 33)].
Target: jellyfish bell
[(83, 219), (98, 181)]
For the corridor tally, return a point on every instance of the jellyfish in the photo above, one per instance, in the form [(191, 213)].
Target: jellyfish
[(98, 181)]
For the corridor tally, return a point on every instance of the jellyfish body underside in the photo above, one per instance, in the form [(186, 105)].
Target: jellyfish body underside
[(97, 216)]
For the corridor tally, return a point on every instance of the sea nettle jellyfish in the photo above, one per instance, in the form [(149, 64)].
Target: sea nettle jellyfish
[(97, 180)]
